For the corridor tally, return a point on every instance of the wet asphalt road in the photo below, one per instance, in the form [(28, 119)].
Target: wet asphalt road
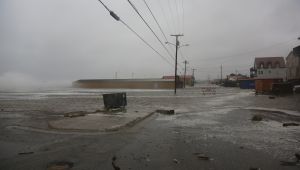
[(218, 127)]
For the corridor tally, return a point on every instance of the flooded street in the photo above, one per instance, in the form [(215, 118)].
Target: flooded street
[(208, 131)]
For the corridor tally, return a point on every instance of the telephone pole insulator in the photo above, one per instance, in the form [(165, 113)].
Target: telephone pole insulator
[(115, 16)]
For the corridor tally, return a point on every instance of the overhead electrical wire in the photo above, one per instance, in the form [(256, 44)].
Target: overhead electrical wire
[(249, 52), (182, 6), (160, 28), (117, 18), (165, 17), (180, 52), (156, 21), (172, 16), (136, 10), (177, 13)]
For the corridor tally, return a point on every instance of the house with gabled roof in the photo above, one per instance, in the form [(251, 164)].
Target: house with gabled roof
[(268, 70), (293, 65)]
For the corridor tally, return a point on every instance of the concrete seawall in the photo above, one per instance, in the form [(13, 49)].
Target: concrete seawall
[(126, 83)]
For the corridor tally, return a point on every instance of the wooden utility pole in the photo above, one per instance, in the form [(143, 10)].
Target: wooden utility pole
[(185, 62), (177, 45), (116, 75), (221, 74), (193, 72)]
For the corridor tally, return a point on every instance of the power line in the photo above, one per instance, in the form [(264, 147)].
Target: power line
[(104, 5), (145, 42), (165, 17), (252, 51), (136, 10), (141, 38), (172, 15), (156, 21), (177, 11), (182, 5), (158, 24), (184, 58)]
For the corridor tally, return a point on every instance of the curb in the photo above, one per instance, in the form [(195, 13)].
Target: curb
[(129, 124), (110, 129), (276, 111)]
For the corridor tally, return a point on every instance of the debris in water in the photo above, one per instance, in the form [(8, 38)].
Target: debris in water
[(25, 153), (176, 161), (167, 112), (60, 165), (206, 158), (99, 111), (254, 168), (290, 124), (114, 158), (201, 156), (271, 97), (74, 114), (115, 110), (257, 118)]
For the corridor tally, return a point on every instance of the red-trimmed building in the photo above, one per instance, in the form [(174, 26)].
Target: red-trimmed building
[(189, 79)]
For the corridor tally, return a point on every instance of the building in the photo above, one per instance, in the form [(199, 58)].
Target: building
[(247, 83), (233, 80), (293, 65), (235, 77), (126, 84), (268, 70), (189, 79)]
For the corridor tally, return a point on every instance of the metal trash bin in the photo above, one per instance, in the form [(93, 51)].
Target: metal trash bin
[(114, 100)]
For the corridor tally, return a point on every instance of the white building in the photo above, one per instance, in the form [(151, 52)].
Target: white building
[(270, 68)]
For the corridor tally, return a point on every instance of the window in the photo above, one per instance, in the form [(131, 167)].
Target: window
[(261, 65)]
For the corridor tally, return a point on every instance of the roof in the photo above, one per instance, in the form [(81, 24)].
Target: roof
[(267, 62), (121, 80), (296, 51), (180, 76)]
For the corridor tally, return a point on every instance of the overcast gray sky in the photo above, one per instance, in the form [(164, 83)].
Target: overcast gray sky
[(65, 40)]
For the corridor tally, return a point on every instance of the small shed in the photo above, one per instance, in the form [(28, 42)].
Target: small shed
[(265, 85)]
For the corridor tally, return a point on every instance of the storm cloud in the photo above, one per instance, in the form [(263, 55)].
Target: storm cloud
[(55, 40)]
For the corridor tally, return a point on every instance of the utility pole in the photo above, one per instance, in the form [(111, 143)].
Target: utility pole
[(221, 73), (185, 62), (177, 45), (116, 75), (193, 74)]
